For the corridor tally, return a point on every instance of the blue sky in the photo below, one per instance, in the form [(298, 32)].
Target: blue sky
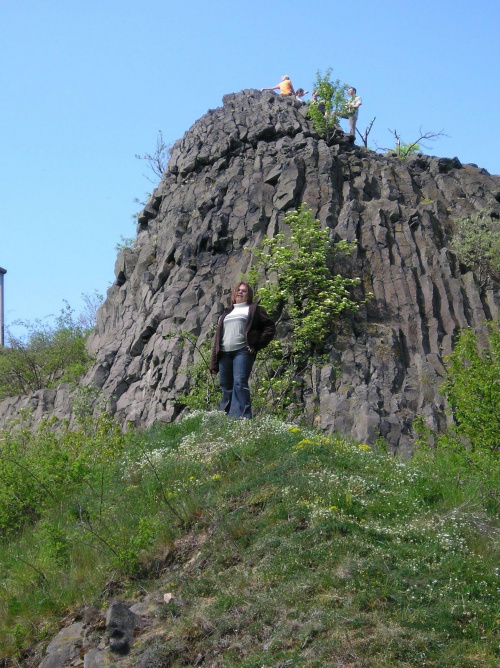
[(85, 86)]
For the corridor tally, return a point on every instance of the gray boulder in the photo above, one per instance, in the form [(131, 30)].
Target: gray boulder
[(120, 625)]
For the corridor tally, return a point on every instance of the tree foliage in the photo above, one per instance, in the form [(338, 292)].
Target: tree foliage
[(305, 295), (472, 388), (300, 286), (329, 104), (45, 355), (476, 242)]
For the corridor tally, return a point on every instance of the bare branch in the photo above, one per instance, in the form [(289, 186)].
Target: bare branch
[(403, 150), (364, 136), (158, 160)]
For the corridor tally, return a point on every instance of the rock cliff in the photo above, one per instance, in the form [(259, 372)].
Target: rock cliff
[(230, 180)]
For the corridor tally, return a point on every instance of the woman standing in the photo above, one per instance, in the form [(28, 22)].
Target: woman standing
[(243, 330)]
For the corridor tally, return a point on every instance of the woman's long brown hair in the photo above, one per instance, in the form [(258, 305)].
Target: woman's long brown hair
[(235, 292)]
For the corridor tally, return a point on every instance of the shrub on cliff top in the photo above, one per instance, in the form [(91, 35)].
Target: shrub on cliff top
[(332, 96)]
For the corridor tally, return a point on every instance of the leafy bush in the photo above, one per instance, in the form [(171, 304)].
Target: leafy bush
[(472, 388), (39, 468), (305, 296), (476, 242), (44, 356), (301, 286), (469, 450), (404, 149), (330, 103)]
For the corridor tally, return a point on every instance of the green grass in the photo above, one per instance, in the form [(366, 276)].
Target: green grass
[(286, 548)]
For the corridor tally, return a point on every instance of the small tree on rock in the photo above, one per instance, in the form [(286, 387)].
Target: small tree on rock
[(329, 104), (477, 244), (157, 161), (404, 149), (306, 297)]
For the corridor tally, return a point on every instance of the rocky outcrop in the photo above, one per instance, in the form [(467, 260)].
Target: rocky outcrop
[(92, 642), (57, 402), (230, 180)]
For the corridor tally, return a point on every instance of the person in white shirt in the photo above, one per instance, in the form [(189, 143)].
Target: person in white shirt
[(352, 108), (243, 330)]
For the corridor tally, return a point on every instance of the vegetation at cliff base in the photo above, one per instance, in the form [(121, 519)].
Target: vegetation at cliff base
[(472, 387), (282, 545), (47, 354)]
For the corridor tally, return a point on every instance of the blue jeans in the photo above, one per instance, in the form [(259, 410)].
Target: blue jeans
[(234, 371)]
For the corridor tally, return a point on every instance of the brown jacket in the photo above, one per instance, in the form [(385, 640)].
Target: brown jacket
[(259, 331)]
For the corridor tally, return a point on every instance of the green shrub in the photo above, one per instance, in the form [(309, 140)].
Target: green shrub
[(301, 287), (476, 241), (330, 104), (44, 356), (306, 296), (469, 450), (472, 388), (40, 467), (404, 149)]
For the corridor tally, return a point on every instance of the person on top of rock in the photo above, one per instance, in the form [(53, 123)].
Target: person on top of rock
[(285, 86), (352, 109), (299, 94), (243, 329)]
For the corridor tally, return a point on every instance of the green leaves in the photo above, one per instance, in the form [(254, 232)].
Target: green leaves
[(473, 389), (477, 243), (307, 297), (39, 468), (45, 356), (330, 103), (301, 285)]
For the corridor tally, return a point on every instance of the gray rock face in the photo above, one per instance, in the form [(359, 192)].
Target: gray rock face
[(39, 405), (231, 180), (64, 647)]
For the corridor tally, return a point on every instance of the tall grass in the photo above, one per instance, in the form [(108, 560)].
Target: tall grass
[(285, 546)]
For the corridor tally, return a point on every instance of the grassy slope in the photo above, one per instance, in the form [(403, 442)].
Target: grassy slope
[(286, 548)]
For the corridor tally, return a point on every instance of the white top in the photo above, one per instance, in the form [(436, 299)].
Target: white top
[(354, 101), (234, 325)]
